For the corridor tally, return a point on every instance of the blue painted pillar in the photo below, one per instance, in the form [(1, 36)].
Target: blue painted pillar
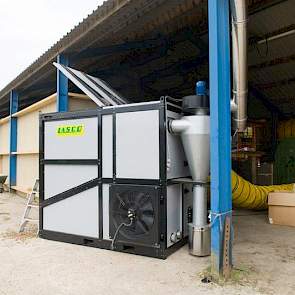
[(62, 100), (13, 138), (220, 91)]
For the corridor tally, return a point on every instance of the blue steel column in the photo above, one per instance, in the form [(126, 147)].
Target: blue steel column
[(62, 100), (13, 138), (220, 90)]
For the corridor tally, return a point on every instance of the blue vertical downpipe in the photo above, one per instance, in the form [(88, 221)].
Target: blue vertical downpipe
[(62, 101), (13, 138), (220, 90)]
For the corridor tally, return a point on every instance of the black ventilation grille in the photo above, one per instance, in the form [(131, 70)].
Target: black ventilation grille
[(140, 202)]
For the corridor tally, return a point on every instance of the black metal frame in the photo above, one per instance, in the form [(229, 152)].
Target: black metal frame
[(161, 251)]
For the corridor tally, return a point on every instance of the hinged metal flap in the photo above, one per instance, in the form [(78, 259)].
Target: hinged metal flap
[(98, 90)]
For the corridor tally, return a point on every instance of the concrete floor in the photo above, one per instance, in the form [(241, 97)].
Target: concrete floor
[(264, 258)]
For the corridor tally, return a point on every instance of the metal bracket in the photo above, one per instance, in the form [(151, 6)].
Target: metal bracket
[(226, 248)]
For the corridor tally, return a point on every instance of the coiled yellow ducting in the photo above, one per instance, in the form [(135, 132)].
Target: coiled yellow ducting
[(250, 196)]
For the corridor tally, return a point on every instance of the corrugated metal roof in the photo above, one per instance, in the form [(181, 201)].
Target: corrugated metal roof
[(119, 21)]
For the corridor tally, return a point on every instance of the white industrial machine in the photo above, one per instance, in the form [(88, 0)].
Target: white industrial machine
[(133, 177), (126, 177)]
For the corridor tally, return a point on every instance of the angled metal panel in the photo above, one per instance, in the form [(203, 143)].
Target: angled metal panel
[(98, 90), (57, 178), (77, 215), (88, 91), (102, 88), (91, 83)]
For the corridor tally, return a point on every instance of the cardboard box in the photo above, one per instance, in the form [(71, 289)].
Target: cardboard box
[(281, 208)]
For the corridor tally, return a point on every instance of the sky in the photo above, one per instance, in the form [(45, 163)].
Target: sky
[(29, 27)]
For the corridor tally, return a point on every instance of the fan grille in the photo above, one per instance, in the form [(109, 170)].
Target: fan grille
[(141, 205)]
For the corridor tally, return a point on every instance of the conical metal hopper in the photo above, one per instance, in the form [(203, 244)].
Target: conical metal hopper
[(196, 143), (195, 134)]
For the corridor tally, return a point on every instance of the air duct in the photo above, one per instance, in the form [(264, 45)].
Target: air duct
[(239, 63), (250, 196)]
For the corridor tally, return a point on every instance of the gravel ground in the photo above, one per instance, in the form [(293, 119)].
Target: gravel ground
[(264, 260)]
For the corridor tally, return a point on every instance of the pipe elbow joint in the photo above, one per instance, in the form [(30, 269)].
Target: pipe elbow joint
[(178, 126), (233, 106)]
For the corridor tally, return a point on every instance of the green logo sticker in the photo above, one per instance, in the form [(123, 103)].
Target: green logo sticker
[(70, 130)]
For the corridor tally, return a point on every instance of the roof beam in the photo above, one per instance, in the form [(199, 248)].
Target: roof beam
[(286, 100), (265, 101), (262, 5), (119, 48), (167, 42), (269, 85), (50, 70), (176, 68), (41, 86), (273, 62), (256, 39), (193, 35)]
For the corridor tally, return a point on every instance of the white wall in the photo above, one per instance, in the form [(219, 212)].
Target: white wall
[(77, 104), (28, 129), (4, 147), (4, 166), (4, 137)]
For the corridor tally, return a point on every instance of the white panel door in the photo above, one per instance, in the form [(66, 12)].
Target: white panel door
[(71, 139), (137, 145), (77, 215), (59, 178)]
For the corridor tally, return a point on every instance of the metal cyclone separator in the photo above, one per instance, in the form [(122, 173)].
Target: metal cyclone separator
[(194, 129)]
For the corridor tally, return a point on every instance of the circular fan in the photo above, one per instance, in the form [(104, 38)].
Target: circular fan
[(136, 207)]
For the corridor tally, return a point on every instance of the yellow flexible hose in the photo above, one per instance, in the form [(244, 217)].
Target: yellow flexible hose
[(250, 196)]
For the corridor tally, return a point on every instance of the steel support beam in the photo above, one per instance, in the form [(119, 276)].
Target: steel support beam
[(273, 62), (41, 87), (177, 68), (262, 5), (273, 84), (119, 48), (268, 37), (13, 107), (220, 137), (154, 49), (62, 100), (161, 41), (265, 101)]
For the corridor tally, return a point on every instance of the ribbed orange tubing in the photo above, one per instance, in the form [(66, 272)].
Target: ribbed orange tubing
[(250, 196)]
